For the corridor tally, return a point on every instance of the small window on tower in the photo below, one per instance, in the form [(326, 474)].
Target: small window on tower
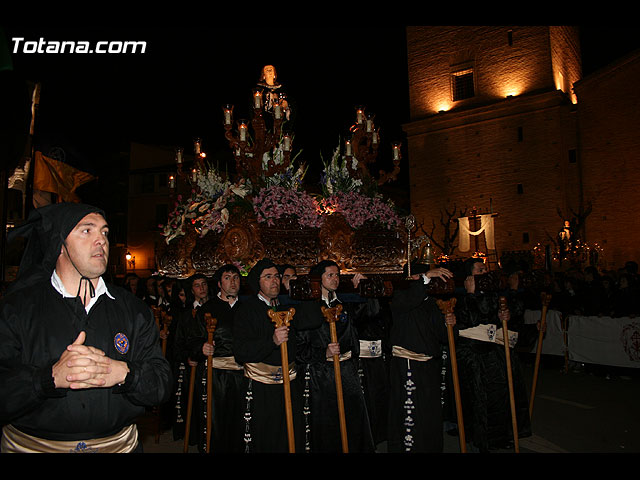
[(510, 37), (462, 84)]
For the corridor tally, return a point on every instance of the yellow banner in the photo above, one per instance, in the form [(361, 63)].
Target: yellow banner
[(56, 177)]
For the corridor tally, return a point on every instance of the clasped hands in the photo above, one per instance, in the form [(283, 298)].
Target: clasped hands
[(83, 366)]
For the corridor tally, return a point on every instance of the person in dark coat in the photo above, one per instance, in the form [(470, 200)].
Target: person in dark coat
[(315, 352), (418, 335), (80, 359), (228, 380), (482, 365), (257, 345)]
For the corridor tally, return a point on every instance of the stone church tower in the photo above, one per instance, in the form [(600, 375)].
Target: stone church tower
[(493, 127)]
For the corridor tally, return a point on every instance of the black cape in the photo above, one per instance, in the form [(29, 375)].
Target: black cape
[(37, 324)]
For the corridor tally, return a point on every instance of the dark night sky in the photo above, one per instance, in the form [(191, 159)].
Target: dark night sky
[(175, 90)]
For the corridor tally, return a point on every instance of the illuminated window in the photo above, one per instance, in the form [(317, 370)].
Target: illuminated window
[(462, 84)]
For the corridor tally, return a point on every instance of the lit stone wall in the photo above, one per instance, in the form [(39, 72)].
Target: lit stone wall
[(507, 148), (610, 154)]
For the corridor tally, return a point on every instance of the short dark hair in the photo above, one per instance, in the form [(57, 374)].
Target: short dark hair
[(196, 276), (229, 267), (320, 268)]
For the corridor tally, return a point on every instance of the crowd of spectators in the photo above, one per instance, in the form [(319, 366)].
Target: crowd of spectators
[(591, 292)]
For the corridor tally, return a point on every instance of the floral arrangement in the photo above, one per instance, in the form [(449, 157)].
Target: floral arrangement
[(291, 178), (206, 210), (358, 209), (275, 202), (282, 196), (336, 176)]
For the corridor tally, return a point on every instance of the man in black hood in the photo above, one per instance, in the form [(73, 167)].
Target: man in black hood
[(79, 359), (256, 345)]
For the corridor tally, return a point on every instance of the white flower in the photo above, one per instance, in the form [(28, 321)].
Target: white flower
[(224, 216), (240, 190)]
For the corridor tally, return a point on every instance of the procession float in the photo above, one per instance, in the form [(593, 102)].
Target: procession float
[(265, 209)]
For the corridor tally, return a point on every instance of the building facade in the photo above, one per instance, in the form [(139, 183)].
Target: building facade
[(609, 121), (497, 127)]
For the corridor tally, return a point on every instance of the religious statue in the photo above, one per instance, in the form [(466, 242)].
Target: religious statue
[(273, 93), (566, 237)]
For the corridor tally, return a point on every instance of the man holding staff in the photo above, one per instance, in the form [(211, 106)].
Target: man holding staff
[(79, 358), (228, 381), (418, 334), (316, 351), (482, 363), (257, 345)]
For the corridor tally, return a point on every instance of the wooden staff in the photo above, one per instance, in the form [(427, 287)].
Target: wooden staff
[(192, 382), (331, 315), (280, 319), (507, 353), (157, 312), (211, 327), (167, 319), (546, 298), (565, 341), (165, 329), (447, 307)]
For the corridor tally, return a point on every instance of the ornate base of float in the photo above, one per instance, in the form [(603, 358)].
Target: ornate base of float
[(371, 249)]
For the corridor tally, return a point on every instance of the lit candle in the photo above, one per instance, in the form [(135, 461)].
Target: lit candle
[(286, 142), (277, 110), (396, 151), (359, 115), (194, 175), (257, 99), (243, 131), (196, 146), (172, 181), (348, 148), (227, 114), (374, 137), (369, 124), (179, 155)]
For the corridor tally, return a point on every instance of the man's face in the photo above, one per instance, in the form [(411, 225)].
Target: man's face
[(200, 289), (229, 284), (479, 268), (330, 279), (270, 282), (87, 245), (288, 274)]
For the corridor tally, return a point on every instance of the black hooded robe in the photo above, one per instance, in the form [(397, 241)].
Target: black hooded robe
[(37, 324), (483, 374), (418, 326), (324, 417), (228, 385), (253, 343)]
